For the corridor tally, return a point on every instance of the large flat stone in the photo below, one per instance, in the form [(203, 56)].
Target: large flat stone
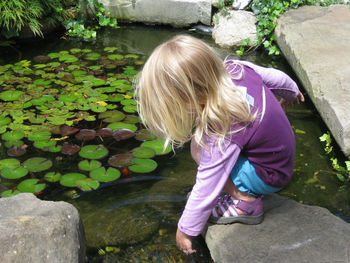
[(316, 42), (174, 12), (290, 233)]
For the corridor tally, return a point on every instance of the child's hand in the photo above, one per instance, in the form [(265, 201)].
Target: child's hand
[(184, 242), (285, 104)]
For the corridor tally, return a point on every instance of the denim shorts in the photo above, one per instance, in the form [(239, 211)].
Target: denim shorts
[(244, 177)]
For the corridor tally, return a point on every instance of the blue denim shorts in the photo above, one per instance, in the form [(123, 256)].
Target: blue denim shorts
[(244, 177)]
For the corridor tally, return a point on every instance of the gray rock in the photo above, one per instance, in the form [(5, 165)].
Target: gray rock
[(32, 230), (316, 42), (231, 28), (290, 232), (174, 12)]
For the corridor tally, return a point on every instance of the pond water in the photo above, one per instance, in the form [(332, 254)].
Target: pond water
[(133, 219)]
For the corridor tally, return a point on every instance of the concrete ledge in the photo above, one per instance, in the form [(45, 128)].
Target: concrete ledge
[(316, 42)]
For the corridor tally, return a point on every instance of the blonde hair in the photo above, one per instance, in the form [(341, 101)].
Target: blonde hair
[(184, 91)]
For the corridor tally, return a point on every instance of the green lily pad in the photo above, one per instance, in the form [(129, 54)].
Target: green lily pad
[(143, 166), (9, 193), (93, 152), (87, 165), (70, 179), (115, 57), (16, 173), (130, 109), (78, 73), (52, 177), (128, 102), (67, 98), (9, 163), (12, 136), (111, 116), (143, 152), (144, 135), (53, 55), (87, 184), (4, 120), (44, 144), (92, 56), (121, 125), (9, 144), (115, 97), (110, 49), (132, 119), (103, 175), (54, 148), (37, 164), (10, 95), (158, 146), (121, 160), (31, 186), (97, 108), (40, 136), (68, 58)]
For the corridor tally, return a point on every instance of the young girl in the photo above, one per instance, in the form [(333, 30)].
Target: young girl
[(240, 135)]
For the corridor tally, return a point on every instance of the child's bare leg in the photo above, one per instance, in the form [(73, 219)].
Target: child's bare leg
[(232, 190)]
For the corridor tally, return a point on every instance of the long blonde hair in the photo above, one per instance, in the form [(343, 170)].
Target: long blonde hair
[(184, 91)]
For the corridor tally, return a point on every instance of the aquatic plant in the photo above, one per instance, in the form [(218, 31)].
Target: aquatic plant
[(71, 107)]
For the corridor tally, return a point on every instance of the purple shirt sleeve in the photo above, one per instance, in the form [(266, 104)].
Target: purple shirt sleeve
[(213, 172), (276, 80)]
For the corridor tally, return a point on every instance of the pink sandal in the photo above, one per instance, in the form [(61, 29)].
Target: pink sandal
[(253, 211)]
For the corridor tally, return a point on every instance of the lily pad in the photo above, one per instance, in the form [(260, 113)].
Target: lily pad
[(132, 119), (10, 95), (112, 116), (52, 177), (130, 109), (9, 193), (87, 165), (157, 146), (86, 135), (70, 179), (115, 97), (93, 152), (12, 136), (66, 130), (15, 173), (128, 102), (40, 136), (87, 184), (70, 149), (15, 151), (143, 166), (143, 152), (31, 186), (122, 125), (121, 160), (9, 163), (144, 135), (9, 144), (123, 134), (37, 164), (103, 175), (44, 144), (68, 58), (4, 120), (104, 132)]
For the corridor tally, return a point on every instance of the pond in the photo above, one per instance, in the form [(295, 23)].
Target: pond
[(134, 218)]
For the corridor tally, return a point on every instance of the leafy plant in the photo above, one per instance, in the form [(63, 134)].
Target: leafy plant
[(343, 171)]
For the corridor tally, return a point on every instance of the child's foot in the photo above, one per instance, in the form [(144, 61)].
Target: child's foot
[(229, 210)]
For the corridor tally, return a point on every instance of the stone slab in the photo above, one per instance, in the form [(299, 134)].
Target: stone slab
[(290, 232), (177, 13), (316, 42)]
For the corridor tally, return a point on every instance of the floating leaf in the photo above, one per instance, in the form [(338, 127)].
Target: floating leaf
[(112, 116), (132, 119), (87, 184), (10, 95), (15, 173), (121, 160), (44, 144), (70, 149), (87, 165), (110, 49), (66, 130), (143, 166), (123, 134), (86, 135), (67, 98), (54, 148), (115, 57), (9, 193), (157, 146), (52, 177), (121, 125), (31, 186), (143, 152), (12, 136), (4, 120), (68, 58), (9, 144), (128, 102), (130, 108), (16, 151), (144, 135), (9, 163), (104, 132), (70, 179), (102, 175), (93, 152), (115, 97), (40, 136), (37, 164)]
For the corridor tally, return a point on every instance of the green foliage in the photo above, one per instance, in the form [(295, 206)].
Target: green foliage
[(76, 27), (15, 14), (343, 172)]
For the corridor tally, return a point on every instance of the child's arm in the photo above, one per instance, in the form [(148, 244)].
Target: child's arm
[(213, 172), (279, 83)]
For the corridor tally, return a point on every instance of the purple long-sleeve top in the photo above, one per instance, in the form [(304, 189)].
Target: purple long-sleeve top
[(215, 164)]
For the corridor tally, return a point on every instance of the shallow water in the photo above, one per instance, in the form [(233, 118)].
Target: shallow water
[(137, 216)]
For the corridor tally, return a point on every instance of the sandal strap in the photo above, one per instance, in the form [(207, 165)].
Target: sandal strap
[(247, 207)]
